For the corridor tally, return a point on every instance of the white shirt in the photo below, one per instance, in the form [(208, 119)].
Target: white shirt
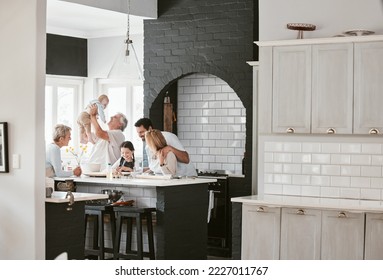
[(105, 152), (183, 169)]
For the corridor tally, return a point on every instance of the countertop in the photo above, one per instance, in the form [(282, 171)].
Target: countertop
[(59, 197), (356, 205), (156, 181)]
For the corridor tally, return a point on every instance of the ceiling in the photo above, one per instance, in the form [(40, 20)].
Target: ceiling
[(70, 19)]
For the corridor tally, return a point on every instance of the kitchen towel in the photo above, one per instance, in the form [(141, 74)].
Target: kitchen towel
[(211, 204)]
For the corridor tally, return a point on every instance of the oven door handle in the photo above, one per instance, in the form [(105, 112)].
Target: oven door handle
[(215, 191)]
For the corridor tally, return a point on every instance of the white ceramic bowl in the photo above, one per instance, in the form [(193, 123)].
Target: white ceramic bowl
[(91, 167)]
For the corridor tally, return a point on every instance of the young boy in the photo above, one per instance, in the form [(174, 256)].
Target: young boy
[(84, 118)]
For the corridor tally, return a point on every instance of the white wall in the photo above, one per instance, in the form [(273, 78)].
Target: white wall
[(331, 17), (22, 74)]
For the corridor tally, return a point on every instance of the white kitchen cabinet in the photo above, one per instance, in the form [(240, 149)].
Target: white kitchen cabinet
[(332, 90), (260, 232), (291, 89), (373, 249), (300, 234), (342, 235), (368, 87)]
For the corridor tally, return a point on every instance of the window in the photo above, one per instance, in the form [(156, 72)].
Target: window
[(126, 98), (62, 100)]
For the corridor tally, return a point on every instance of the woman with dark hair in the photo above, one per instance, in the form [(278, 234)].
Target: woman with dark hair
[(126, 162)]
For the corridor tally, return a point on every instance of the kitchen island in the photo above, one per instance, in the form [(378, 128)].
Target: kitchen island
[(181, 210), (298, 227)]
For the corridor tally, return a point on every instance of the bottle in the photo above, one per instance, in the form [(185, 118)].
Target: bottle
[(109, 171)]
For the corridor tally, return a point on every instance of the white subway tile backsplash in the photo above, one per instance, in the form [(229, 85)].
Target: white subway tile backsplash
[(322, 181), (370, 194), (372, 148), (311, 147), (360, 182), (329, 192), (340, 159), (352, 193), (377, 160), (291, 190), (350, 171), (340, 181), (301, 158), (377, 183), (291, 147), (311, 169), (320, 158), (273, 147), (308, 190), (361, 159), (292, 168), (283, 157), (330, 148), (301, 179), (371, 171), (351, 148), (330, 170)]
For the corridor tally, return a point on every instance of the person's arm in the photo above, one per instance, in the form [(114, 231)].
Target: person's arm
[(182, 156), (100, 133), (169, 166)]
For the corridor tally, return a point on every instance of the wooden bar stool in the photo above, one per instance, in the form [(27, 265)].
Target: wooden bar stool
[(129, 214), (99, 211)]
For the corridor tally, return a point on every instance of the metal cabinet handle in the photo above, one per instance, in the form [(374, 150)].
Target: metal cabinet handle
[(260, 209), (331, 130), (290, 130), (342, 215), (374, 131), (300, 212)]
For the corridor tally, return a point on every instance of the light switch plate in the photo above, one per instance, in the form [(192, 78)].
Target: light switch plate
[(16, 161)]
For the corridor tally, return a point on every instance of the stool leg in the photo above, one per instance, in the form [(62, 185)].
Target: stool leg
[(129, 232), (140, 249), (150, 235), (113, 227), (101, 235), (95, 233), (117, 240)]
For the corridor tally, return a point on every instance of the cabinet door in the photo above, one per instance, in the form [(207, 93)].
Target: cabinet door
[(374, 237), (260, 232), (342, 235), (292, 89), (368, 85), (300, 234), (332, 92)]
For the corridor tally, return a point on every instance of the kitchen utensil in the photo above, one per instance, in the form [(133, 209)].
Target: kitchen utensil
[(114, 195)]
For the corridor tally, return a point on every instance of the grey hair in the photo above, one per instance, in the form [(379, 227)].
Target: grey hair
[(123, 121), (60, 130)]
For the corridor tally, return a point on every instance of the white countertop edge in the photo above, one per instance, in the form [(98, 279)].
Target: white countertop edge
[(60, 197), (140, 182), (358, 205)]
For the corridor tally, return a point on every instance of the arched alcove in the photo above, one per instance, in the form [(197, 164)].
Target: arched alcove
[(210, 120)]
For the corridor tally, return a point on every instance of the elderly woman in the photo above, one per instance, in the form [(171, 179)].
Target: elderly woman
[(156, 142), (61, 138)]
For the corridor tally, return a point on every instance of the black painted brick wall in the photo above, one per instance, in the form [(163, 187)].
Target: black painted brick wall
[(201, 36)]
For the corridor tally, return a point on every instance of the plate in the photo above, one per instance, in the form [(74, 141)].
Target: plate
[(95, 174), (358, 32)]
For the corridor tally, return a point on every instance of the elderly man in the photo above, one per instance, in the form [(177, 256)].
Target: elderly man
[(107, 147), (184, 166)]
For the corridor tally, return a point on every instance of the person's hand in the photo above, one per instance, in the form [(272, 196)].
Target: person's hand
[(124, 168), (93, 110), (165, 150), (77, 171)]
